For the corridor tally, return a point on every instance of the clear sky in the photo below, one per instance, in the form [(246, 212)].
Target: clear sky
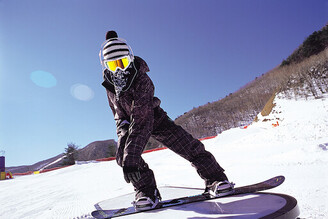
[(198, 51)]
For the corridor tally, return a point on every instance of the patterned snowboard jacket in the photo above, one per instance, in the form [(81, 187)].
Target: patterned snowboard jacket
[(134, 114)]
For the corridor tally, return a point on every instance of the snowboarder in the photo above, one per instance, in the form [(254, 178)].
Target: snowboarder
[(138, 117)]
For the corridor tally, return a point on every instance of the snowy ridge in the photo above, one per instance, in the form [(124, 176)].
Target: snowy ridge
[(49, 164), (248, 155)]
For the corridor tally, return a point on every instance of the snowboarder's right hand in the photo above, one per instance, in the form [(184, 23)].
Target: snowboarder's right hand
[(131, 174)]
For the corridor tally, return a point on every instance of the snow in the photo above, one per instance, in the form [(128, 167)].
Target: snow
[(296, 149)]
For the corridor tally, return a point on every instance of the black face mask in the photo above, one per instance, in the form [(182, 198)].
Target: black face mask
[(121, 80)]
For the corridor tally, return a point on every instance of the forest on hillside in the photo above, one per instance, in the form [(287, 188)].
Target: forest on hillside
[(312, 45)]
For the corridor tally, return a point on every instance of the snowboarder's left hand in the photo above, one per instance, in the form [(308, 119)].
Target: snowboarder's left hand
[(131, 174)]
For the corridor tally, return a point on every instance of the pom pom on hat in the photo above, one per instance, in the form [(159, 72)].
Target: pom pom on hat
[(111, 35)]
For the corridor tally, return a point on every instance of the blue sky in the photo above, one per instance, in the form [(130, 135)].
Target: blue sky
[(198, 51)]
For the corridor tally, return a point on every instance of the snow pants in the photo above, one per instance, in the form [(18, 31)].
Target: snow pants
[(182, 143)]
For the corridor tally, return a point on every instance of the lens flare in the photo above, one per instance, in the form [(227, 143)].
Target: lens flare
[(43, 79), (82, 92)]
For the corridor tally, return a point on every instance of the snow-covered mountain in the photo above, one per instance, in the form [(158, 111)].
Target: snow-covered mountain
[(296, 148)]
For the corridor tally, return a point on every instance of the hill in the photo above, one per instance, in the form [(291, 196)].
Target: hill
[(97, 150), (37, 166), (241, 107), (94, 150)]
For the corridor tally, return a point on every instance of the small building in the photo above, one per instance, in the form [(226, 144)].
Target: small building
[(2, 168)]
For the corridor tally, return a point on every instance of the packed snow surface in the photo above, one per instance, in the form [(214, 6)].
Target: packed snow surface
[(297, 149)]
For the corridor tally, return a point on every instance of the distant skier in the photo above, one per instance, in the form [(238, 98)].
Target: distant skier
[(138, 117)]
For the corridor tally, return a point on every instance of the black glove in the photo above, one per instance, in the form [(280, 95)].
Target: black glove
[(131, 174)]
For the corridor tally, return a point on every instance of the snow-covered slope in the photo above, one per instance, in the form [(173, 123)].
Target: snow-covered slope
[(297, 149)]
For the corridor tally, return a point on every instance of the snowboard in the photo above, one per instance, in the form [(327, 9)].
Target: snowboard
[(261, 186)]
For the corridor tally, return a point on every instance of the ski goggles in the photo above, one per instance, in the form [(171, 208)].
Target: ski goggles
[(122, 63)]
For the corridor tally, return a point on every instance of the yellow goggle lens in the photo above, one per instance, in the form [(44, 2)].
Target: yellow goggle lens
[(125, 62), (122, 63)]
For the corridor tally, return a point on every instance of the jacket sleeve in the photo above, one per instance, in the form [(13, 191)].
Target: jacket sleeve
[(122, 127), (142, 119)]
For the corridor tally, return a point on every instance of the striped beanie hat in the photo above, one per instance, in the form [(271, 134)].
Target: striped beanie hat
[(115, 47)]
